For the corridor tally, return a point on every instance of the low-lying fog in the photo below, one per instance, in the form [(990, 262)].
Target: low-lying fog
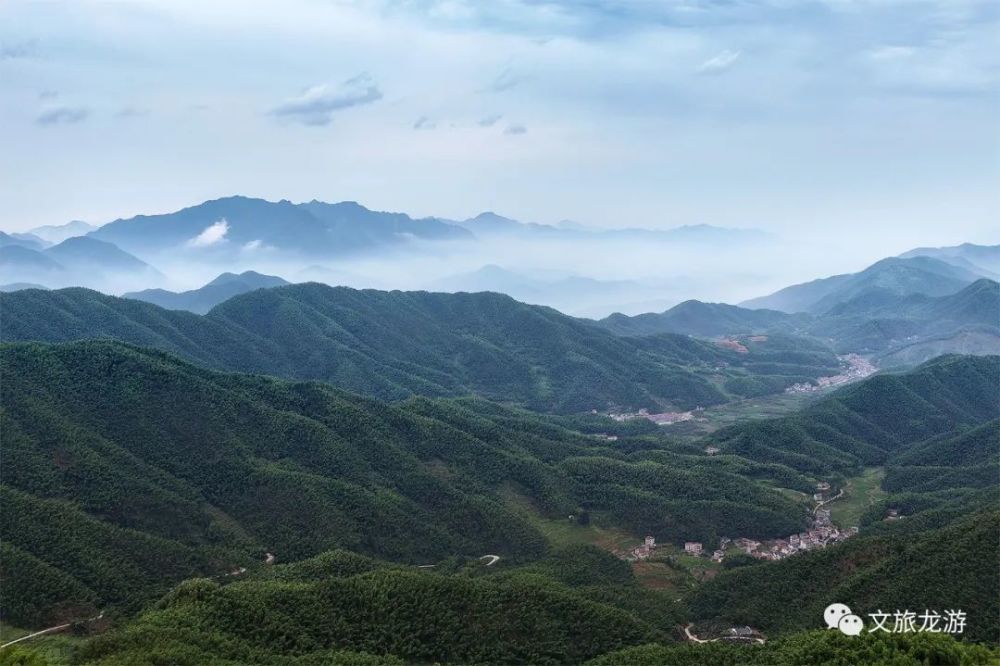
[(582, 277)]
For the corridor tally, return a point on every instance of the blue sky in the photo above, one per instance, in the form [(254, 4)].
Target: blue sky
[(868, 116)]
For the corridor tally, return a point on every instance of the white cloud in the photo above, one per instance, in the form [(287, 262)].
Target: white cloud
[(720, 62), (212, 235), (256, 246), (316, 105)]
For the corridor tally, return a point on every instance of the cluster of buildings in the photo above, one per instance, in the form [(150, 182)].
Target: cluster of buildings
[(857, 368), (822, 533)]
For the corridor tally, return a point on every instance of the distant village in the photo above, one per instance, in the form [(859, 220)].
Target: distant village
[(858, 367), (821, 533)]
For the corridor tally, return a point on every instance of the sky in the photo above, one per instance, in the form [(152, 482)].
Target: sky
[(876, 119)]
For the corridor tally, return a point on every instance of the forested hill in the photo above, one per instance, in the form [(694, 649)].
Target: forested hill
[(135, 470), (395, 344), (872, 421)]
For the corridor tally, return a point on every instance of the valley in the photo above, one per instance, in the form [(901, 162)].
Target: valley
[(256, 453), (517, 333)]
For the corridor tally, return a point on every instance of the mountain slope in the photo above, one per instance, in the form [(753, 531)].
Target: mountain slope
[(984, 259), (314, 228), (133, 469), (85, 253), (16, 261), (205, 298), (898, 329), (22, 240), (704, 320), (952, 567), (394, 344), (59, 233), (871, 421), (915, 275)]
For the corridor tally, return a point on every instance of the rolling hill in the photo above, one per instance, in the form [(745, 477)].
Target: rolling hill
[(135, 470), (870, 422), (396, 344)]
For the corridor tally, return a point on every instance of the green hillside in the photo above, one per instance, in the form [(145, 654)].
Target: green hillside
[(901, 328), (868, 422), (317, 611), (812, 647), (898, 567), (395, 344), (130, 460)]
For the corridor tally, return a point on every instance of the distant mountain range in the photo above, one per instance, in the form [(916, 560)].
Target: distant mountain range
[(205, 298), (238, 223), (59, 233), (76, 260), (28, 241), (490, 223), (899, 329), (316, 228), (981, 259), (895, 275)]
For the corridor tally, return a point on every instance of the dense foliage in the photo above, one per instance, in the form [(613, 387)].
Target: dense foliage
[(826, 648), (302, 612), (871, 320), (135, 469), (872, 421), (395, 344)]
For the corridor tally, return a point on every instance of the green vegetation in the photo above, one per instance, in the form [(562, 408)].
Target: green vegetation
[(144, 477), (137, 470), (900, 565), (865, 424), (860, 492), (396, 344), (566, 608), (874, 312), (813, 647)]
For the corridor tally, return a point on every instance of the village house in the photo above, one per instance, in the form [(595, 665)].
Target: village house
[(718, 555), (711, 450), (693, 547)]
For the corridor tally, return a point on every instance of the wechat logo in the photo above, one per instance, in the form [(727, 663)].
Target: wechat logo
[(839, 616)]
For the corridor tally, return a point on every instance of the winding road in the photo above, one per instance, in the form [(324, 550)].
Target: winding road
[(51, 630), (837, 496)]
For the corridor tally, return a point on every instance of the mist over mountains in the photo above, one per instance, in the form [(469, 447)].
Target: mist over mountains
[(170, 440), (579, 269)]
